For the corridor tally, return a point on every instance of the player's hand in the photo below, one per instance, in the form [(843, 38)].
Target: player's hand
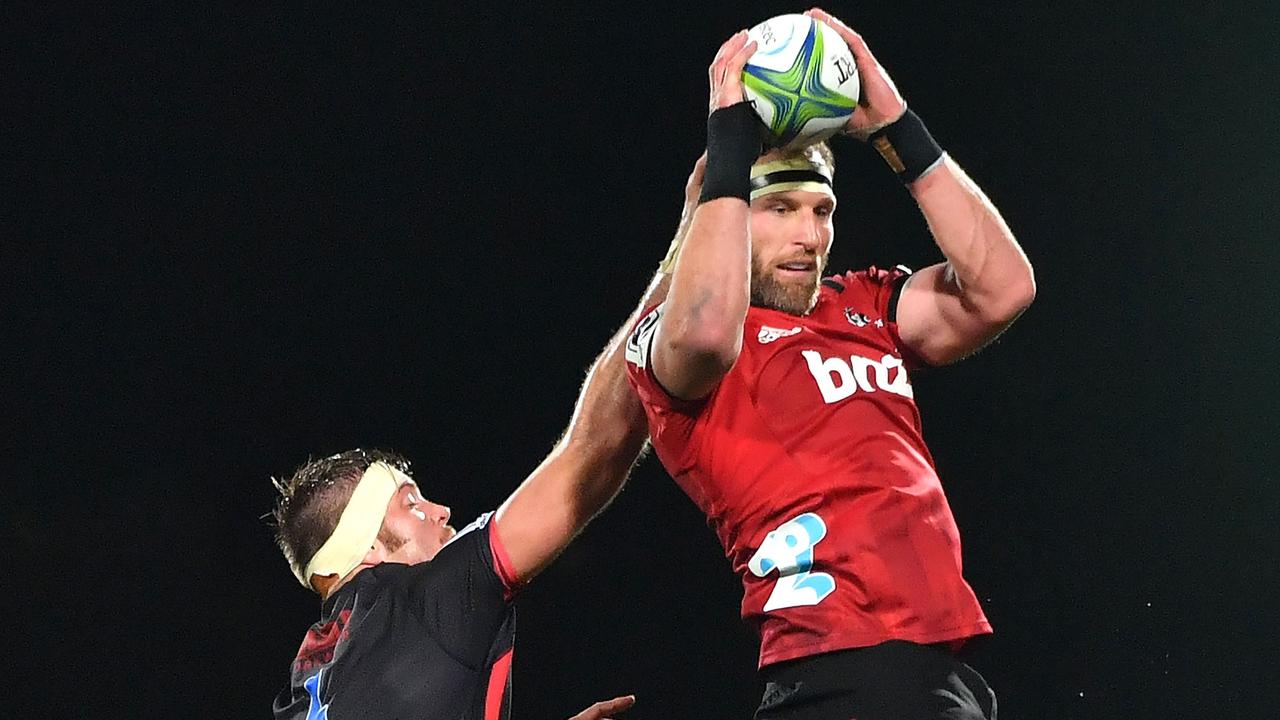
[(879, 102), (606, 709), (725, 72)]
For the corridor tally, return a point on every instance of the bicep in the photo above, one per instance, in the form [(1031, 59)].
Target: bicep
[(691, 372), (680, 372), (936, 322)]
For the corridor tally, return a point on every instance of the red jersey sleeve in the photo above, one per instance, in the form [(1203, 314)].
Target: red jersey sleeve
[(640, 371), (670, 418), (885, 287)]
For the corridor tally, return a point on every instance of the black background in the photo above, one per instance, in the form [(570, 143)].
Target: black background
[(234, 239)]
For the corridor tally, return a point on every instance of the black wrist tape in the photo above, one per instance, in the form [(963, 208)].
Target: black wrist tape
[(733, 145), (907, 146)]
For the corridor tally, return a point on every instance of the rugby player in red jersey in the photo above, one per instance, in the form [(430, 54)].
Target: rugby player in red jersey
[(782, 404)]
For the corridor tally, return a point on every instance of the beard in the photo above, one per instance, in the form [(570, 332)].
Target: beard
[(391, 539), (793, 298)]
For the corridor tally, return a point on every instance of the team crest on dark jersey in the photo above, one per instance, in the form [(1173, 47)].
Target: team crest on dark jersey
[(319, 644)]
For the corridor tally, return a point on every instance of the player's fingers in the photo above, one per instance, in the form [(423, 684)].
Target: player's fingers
[(715, 73), (732, 80), (730, 49), (818, 13), (861, 53), (834, 23), (604, 708), (740, 58), (730, 46), (726, 82), (714, 69), (616, 705)]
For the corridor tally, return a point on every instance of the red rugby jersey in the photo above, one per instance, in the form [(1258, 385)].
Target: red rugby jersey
[(809, 463)]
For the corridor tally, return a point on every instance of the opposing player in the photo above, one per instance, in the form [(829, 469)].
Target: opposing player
[(782, 404), (416, 620)]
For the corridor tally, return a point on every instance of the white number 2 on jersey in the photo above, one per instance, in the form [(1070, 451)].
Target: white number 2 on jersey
[(789, 550)]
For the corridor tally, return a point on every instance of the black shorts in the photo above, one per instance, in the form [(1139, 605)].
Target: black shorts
[(896, 680)]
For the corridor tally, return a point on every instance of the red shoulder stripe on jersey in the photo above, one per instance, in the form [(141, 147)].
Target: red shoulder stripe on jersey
[(502, 563), (497, 691)]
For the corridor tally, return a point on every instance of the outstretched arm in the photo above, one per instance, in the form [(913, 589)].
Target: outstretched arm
[(950, 310), (589, 465), (585, 469)]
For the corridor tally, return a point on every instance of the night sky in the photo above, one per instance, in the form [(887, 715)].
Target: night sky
[(233, 240)]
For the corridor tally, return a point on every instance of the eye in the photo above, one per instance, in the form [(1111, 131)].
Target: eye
[(823, 211)]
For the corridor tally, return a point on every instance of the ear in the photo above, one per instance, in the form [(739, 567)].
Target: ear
[(323, 584)]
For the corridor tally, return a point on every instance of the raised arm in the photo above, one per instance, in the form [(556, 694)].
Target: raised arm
[(699, 334), (590, 463), (950, 310)]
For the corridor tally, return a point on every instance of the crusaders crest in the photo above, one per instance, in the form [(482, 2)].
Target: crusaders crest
[(856, 319)]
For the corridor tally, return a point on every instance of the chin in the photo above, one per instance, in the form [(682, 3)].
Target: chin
[(790, 299)]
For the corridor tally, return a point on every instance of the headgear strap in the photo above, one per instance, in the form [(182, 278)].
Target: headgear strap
[(797, 172)]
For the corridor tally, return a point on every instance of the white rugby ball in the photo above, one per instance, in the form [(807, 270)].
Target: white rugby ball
[(801, 80)]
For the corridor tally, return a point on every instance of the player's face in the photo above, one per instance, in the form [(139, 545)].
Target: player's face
[(418, 526), (790, 242)]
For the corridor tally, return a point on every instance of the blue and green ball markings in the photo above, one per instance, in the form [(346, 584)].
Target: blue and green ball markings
[(797, 93)]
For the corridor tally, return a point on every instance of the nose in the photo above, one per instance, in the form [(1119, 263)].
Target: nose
[(440, 513), (809, 234)]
